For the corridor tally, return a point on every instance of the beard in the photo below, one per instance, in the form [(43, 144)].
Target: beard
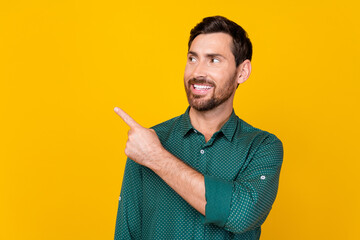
[(206, 103)]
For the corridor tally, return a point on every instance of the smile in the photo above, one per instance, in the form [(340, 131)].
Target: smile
[(201, 87)]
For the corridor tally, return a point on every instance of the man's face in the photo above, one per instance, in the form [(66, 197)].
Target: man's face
[(210, 72)]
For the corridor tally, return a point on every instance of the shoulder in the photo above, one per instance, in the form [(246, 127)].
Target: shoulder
[(256, 135), (166, 124), (263, 147), (169, 126)]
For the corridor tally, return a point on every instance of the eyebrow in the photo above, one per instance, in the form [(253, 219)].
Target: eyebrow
[(209, 55)]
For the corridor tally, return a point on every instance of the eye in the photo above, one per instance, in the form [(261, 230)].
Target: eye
[(215, 60), (192, 59)]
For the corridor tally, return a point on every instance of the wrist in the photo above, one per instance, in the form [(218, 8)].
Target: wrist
[(158, 159)]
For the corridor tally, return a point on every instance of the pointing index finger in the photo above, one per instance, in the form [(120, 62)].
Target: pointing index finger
[(126, 118)]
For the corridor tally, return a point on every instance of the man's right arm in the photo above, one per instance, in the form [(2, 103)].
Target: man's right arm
[(128, 221)]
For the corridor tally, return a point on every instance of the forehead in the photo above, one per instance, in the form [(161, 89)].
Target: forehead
[(212, 43)]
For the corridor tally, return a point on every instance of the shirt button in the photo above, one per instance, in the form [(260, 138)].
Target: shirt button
[(195, 131), (202, 151), (262, 177)]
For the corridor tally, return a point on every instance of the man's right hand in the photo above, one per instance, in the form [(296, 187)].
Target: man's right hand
[(143, 145)]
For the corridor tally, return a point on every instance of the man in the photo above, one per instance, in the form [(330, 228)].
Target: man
[(205, 174)]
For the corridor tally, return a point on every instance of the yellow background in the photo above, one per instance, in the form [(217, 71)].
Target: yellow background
[(64, 66)]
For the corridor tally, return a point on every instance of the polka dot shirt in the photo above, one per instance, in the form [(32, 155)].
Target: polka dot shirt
[(241, 166)]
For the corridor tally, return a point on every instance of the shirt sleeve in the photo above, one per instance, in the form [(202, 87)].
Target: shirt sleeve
[(243, 204), (128, 221)]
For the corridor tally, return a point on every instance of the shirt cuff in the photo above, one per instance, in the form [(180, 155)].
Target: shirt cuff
[(218, 193)]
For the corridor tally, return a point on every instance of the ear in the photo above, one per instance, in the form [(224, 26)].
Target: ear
[(243, 71)]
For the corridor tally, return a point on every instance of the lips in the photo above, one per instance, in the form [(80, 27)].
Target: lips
[(200, 89), (200, 86)]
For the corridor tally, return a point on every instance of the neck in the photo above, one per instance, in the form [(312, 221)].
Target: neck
[(209, 122)]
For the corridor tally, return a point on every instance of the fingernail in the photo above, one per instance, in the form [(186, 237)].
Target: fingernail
[(116, 109)]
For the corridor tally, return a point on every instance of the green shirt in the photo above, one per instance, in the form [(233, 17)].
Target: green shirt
[(241, 165)]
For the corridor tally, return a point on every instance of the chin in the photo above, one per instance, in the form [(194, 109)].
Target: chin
[(204, 105)]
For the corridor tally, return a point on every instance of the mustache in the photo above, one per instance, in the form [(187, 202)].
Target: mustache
[(201, 81)]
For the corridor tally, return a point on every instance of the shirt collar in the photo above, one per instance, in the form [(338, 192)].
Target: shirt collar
[(186, 123), (228, 129)]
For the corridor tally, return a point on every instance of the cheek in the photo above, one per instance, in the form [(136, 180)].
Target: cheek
[(187, 72), (220, 76), (225, 74)]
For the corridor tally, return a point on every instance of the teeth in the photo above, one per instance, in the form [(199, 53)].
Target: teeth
[(201, 87)]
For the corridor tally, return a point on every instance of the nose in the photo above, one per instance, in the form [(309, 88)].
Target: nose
[(200, 70)]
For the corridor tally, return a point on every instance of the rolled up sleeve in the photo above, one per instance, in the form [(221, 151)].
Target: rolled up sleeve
[(243, 204)]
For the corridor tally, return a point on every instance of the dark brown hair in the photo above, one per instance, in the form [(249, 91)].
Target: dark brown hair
[(242, 47)]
